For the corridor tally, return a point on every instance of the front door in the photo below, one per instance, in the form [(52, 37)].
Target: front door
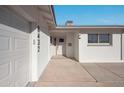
[(60, 47)]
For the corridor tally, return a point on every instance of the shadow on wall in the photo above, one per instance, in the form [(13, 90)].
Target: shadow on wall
[(64, 49), (9, 18), (34, 26)]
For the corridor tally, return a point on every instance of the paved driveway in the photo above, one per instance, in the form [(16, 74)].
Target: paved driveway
[(62, 71)]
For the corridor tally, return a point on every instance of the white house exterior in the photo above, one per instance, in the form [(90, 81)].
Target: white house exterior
[(29, 38), (86, 52)]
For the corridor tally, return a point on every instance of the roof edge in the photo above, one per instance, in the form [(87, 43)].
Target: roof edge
[(99, 26), (53, 14)]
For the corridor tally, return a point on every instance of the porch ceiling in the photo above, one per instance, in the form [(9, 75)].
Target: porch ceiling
[(47, 14), (30, 13)]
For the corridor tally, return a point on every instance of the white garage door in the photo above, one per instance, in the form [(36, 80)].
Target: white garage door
[(14, 57)]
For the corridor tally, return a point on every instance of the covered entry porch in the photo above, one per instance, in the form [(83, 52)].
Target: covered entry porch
[(62, 44)]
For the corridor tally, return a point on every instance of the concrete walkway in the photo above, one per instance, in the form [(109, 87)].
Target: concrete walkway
[(62, 72)]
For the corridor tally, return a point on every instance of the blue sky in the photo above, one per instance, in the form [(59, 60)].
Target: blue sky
[(89, 14)]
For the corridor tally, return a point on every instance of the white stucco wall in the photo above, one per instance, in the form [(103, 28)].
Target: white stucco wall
[(52, 50), (70, 49), (39, 59), (44, 55), (76, 46), (122, 45), (33, 55), (99, 53)]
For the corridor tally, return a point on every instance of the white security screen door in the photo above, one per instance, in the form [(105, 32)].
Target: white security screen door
[(60, 46)]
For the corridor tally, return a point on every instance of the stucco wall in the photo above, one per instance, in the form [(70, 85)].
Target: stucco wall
[(123, 44), (70, 49), (33, 53), (110, 53), (39, 59), (76, 46), (44, 55), (52, 50)]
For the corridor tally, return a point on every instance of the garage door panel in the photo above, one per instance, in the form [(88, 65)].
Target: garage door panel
[(4, 32), (14, 57), (5, 82), (4, 67), (5, 43), (19, 63), (21, 76), (4, 55), (21, 43), (5, 72), (5, 51)]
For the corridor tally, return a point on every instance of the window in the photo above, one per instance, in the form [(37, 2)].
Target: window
[(61, 40), (99, 39), (104, 38), (93, 38)]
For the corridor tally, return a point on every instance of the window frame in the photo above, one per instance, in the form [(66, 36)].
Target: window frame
[(94, 35), (98, 43)]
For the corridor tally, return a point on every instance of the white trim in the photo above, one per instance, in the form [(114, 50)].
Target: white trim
[(76, 27), (81, 28), (98, 44), (102, 61)]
